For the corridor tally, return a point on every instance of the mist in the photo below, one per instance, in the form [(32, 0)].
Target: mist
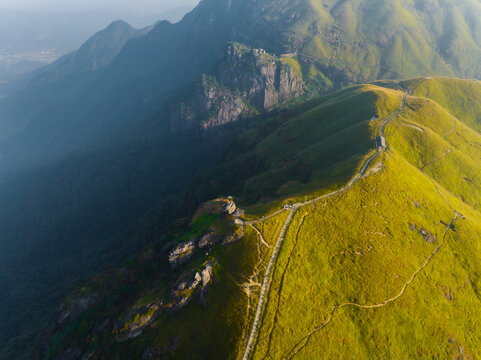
[(36, 33), (49, 6)]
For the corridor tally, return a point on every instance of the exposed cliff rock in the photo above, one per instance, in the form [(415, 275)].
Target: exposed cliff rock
[(208, 239), (259, 77), (229, 208), (133, 324), (214, 206), (211, 105), (246, 81), (68, 311), (182, 253)]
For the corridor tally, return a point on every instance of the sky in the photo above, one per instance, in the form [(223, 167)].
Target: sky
[(82, 5)]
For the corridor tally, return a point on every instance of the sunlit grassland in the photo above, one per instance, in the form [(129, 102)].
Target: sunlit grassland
[(364, 247), (440, 144), (462, 98), (358, 247), (319, 148)]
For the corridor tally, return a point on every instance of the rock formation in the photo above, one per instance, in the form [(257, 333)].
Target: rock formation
[(246, 81), (181, 253)]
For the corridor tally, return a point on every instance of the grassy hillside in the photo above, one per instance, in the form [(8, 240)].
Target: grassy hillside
[(312, 148), (365, 40), (357, 277), (93, 208), (386, 268), (358, 248)]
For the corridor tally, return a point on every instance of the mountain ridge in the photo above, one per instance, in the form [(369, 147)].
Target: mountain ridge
[(416, 237), (93, 172), (320, 36)]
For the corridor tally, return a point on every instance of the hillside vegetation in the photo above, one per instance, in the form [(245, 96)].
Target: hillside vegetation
[(385, 268), (114, 147), (366, 40), (389, 269)]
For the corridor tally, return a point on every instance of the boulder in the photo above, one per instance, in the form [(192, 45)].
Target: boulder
[(229, 208), (207, 239), (76, 308), (181, 253), (197, 281), (134, 323), (427, 236), (206, 273), (239, 222)]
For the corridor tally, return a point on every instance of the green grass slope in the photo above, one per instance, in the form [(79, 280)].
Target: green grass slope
[(357, 279), (359, 41), (362, 247), (388, 268), (313, 148)]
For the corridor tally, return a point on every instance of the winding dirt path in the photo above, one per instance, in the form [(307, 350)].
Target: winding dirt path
[(266, 282), (437, 159), (281, 284), (261, 237), (452, 130)]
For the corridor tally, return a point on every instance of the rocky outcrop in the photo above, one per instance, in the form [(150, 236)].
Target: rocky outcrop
[(133, 324), (246, 81), (138, 319), (208, 239), (224, 207), (211, 105), (201, 277), (259, 77), (214, 206), (182, 253), (183, 293), (229, 208), (74, 308), (120, 305)]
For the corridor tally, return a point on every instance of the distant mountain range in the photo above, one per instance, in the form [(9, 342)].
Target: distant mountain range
[(32, 39), (113, 147), (333, 44)]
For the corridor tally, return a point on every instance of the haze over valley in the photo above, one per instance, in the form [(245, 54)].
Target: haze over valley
[(34, 34)]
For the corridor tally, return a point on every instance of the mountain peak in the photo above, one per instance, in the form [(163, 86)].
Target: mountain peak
[(119, 25), (104, 46)]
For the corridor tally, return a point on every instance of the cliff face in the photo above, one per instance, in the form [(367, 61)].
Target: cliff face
[(246, 81), (260, 77), (210, 105)]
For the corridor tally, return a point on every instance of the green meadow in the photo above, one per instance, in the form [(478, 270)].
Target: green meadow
[(387, 269)]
